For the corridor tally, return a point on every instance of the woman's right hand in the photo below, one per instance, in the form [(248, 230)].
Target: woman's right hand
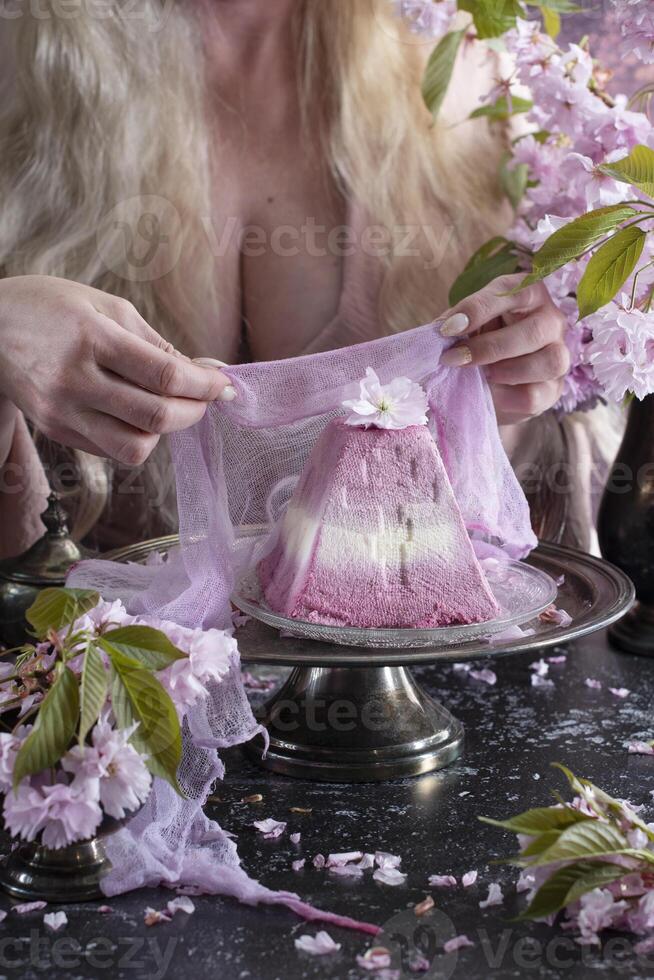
[(90, 373)]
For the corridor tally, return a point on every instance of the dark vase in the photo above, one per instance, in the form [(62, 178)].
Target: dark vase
[(626, 526)]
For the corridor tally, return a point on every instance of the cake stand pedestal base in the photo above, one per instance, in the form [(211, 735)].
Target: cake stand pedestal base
[(635, 632), (355, 724)]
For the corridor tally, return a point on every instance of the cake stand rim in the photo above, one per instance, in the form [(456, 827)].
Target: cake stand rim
[(326, 655)]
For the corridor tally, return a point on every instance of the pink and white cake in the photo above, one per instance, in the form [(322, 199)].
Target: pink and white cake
[(373, 536)]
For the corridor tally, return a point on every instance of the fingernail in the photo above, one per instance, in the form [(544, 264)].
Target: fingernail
[(456, 357), (455, 324), (209, 362), (228, 394)]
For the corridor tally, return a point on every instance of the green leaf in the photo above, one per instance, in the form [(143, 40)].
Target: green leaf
[(588, 839), (514, 181), (537, 821), (609, 268), (568, 884), (636, 169), (574, 238), (492, 18), (56, 608), (495, 258), (53, 729), (551, 21), (93, 690), (137, 695), (149, 647), (501, 109), (439, 70)]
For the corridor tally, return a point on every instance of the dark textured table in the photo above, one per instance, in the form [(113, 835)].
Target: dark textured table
[(514, 732)]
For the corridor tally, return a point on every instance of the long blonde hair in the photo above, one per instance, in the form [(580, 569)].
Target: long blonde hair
[(111, 111)]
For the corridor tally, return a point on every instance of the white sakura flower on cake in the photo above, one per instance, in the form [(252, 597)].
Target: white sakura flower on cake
[(393, 406)]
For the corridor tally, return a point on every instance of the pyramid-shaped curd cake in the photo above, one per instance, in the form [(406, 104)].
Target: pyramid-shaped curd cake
[(373, 536)]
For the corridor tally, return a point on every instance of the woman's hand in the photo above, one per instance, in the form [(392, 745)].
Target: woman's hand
[(518, 339), (90, 373)]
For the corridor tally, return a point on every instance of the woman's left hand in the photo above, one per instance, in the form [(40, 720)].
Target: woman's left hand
[(518, 339)]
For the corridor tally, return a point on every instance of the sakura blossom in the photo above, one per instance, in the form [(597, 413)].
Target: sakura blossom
[(580, 130), (321, 944), (598, 910), (124, 779), (636, 21), (622, 350), (396, 405)]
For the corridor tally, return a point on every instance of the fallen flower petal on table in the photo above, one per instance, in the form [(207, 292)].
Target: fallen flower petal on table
[(537, 680), (620, 692), (153, 917), (295, 838), (485, 675), (389, 876), (319, 945), (181, 904), (298, 865), (346, 870), (319, 861), (469, 878), (367, 862), (385, 860), (338, 860), (558, 659), (375, 958), (495, 896), (423, 907), (270, 828), (26, 907), (559, 617), (442, 881), (640, 748), (541, 667), (458, 942), (55, 920), (591, 682)]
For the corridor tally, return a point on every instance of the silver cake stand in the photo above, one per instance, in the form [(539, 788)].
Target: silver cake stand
[(354, 713)]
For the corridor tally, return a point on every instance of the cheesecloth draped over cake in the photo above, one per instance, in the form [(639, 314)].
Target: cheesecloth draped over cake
[(235, 473)]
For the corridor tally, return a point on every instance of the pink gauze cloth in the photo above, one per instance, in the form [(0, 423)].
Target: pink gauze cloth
[(235, 472)]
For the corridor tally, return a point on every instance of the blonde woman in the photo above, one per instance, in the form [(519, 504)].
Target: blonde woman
[(241, 178)]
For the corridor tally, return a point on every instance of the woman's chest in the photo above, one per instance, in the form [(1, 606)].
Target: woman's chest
[(279, 238)]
